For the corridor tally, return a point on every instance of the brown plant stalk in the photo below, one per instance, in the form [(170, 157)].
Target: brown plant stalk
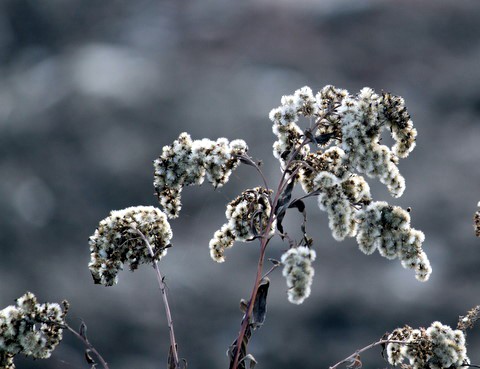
[(264, 242)]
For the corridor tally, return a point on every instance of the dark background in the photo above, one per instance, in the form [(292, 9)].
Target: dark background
[(90, 91)]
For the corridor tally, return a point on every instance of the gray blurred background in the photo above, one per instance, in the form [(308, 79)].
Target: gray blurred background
[(90, 91)]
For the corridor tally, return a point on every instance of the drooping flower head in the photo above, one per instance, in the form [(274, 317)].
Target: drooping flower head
[(299, 272), (341, 142), (117, 241), (186, 163)]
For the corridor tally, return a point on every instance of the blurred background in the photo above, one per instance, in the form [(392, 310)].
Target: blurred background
[(90, 92)]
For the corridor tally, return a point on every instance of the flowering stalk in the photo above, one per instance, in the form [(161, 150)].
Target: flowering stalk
[(265, 238)]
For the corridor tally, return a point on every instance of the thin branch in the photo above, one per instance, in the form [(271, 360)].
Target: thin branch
[(161, 283), (88, 345), (248, 160), (354, 355), (274, 266)]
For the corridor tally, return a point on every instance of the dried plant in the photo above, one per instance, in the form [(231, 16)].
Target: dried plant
[(325, 144)]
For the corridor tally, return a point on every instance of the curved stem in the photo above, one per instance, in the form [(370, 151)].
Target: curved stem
[(163, 289)]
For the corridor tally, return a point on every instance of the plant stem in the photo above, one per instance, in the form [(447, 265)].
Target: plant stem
[(286, 177), (163, 289), (87, 343), (353, 356)]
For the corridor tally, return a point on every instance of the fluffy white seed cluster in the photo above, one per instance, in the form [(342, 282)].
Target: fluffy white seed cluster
[(356, 120), (363, 119), (436, 347), (353, 124), (247, 216), (330, 161), (116, 241), (387, 229), (186, 163), (299, 272), (30, 328), (336, 197)]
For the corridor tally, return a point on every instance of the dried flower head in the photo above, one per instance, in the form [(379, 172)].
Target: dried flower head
[(437, 347), (469, 320), (361, 131), (30, 328), (247, 217), (387, 229), (299, 272), (187, 162), (352, 125), (117, 241), (337, 197)]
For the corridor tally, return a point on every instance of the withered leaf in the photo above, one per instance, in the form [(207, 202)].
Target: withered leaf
[(283, 204), (260, 307), (88, 357), (82, 331), (251, 360)]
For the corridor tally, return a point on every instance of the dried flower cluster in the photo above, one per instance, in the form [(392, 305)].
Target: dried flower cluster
[(387, 229), (299, 272), (117, 241), (436, 347), (30, 328), (187, 162), (247, 217), (352, 125), (476, 221), (469, 320), (336, 197)]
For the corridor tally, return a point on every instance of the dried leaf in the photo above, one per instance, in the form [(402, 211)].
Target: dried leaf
[(251, 359), (82, 331), (88, 357), (274, 261), (319, 139), (260, 307), (171, 359), (283, 203)]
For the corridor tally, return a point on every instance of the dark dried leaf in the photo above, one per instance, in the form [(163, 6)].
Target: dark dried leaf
[(171, 359), (88, 357), (232, 350), (274, 261), (299, 204), (282, 205), (260, 307), (82, 331), (319, 139)]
